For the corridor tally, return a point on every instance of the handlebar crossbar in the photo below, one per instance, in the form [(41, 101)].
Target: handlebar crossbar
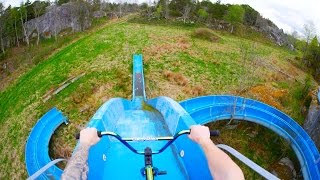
[(170, 139)]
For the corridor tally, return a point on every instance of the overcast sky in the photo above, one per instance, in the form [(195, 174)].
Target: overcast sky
[(289, 15), (286, 14)]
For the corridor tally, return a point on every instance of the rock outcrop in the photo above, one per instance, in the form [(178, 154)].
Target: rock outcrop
[(273, 32), (74, 15), (262, 25), (99, 14), (312, 122)]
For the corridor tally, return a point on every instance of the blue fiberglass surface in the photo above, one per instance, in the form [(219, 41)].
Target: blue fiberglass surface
[(37, 146), (213, 108), (178, 119), (110, 159)]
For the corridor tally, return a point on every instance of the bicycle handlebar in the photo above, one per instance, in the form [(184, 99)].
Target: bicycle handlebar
[(170, 139)]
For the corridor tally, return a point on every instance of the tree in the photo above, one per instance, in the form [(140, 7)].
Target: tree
[(151, 5), (164, 7), (218, 10), (9, 35), (234, 15), (186, 12), (80, 15), (313, 52), (250, 15), (158, 11), (2, 22), (15, 16), (24, 18), (309, 32), (60, 2), (96, 5), (38, 9), (202, 13), (181, 8)]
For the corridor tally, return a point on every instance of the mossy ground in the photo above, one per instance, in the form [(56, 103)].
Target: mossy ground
[(231, 65)]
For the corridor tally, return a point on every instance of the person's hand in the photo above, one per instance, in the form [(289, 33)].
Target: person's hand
[(89, 136), (199, 134)]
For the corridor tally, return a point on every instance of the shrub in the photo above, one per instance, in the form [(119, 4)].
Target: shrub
[(206, 34)]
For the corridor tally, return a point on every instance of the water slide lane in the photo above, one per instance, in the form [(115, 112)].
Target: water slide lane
[(207, 109)]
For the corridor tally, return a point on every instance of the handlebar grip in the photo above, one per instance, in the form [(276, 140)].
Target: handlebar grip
[(98, 133), (214, 132)]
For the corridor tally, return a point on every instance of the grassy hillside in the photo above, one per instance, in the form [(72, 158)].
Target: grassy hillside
[(177, 64)]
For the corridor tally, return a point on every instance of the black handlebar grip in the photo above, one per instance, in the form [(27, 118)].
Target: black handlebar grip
[(98, 133), (214, 132)]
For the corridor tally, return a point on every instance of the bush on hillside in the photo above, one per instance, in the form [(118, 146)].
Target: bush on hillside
[(206, 34)]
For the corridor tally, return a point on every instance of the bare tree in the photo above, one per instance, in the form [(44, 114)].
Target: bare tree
[(55, 20), (2, 19), (104, 5), (149, 9), (15, 26), (120, 7), (186, 12), (80, 15), (37, 9), (308, 32), (166, 9), (23, 16)]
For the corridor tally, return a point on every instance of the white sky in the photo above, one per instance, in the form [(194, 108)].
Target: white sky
[(289, 15)]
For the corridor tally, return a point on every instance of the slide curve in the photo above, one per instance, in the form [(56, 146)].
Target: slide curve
[(207, 109), (37, 146)]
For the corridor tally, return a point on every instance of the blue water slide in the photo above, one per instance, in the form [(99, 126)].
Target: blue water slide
[(138, 86), (142, 118), (110, 159), (214, 108), (162, 116), (188, 152), (37, 146)]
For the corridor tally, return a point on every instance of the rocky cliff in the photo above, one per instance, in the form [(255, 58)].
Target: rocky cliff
[(312, 122), (75, 16), (272, 32)]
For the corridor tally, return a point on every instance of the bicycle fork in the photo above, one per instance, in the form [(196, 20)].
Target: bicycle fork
[(149, 171)]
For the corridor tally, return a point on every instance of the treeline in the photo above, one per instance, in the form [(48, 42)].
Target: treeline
[(204, 11), (13, 20), (308, 43), (312, 56)]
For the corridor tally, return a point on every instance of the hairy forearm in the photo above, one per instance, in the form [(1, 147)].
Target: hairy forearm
[(77, 166), (220, 164)]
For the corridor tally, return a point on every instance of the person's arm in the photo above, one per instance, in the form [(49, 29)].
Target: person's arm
[(220, 164), (77, 166)]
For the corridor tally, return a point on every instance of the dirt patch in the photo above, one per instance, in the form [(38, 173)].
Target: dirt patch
[(175, 77), (268, 94), (180, 80), (165, 45), (206, 34), (195, 90)]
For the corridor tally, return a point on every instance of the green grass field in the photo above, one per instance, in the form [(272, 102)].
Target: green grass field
[(176, 64)]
